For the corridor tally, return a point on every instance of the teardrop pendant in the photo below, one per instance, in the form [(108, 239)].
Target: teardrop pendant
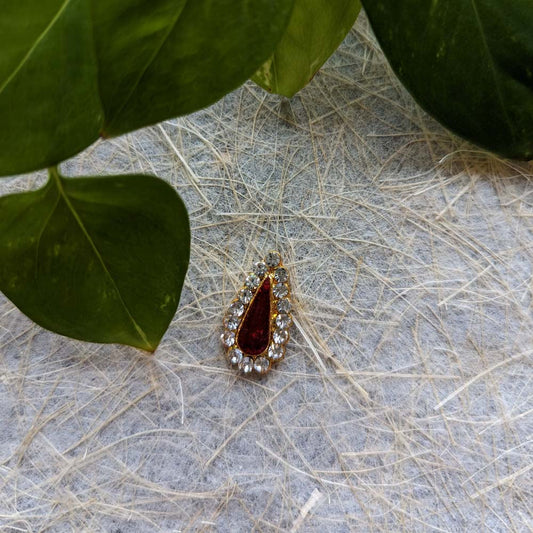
[(258, 319)]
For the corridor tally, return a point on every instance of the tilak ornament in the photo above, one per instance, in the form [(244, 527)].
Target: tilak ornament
[(256, 326)]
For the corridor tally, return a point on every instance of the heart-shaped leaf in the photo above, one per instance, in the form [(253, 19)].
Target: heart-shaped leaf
[(97, 259), (469, 63), (73, 69), (315, 30)]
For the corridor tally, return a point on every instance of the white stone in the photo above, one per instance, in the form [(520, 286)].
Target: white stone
[(246, 365), (280, 336), (236, 308), (231, 322), (246, 296), (260, 269), (283, 321), (272, 259), (284, 306), (276, 352), (280, 290), (252, 281), (235, 356), (228, 338), (261, 365), (281, 275)]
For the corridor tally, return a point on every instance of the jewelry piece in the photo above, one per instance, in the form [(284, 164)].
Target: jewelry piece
[(256, 326)]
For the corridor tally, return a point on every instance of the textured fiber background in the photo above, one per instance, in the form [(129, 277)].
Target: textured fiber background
[(405, 402)]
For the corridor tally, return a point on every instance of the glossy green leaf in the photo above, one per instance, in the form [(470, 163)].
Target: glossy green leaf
[(71, 70), (49, 103), (469, 63), (97, 259), (315, 30)]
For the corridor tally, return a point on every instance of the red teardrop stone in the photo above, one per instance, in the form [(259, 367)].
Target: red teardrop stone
[(254, 335)]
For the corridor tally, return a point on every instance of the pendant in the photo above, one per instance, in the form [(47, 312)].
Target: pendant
[(256, 326)]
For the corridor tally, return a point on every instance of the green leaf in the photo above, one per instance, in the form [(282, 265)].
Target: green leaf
[(315, 30), (97, 259), (469, 63), (176, 56), (71, 70), (49, 104)]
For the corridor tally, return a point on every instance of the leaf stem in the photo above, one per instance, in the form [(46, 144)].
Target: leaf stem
[(54, 175)]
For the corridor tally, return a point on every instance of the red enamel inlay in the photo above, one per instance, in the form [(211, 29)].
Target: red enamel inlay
[(254, 335)]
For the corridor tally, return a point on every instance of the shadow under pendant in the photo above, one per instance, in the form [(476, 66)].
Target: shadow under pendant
[(256, 326)]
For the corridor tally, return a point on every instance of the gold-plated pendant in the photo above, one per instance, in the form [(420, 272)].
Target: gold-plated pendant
[(256, 326)]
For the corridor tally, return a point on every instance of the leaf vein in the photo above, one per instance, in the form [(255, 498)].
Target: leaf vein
[(93, 246), (152, 58), (46, 222), (34, 46)]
